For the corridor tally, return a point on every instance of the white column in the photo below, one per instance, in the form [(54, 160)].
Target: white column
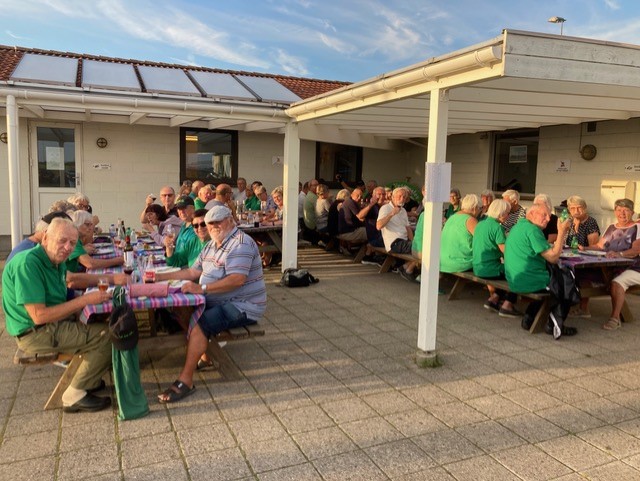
[(14, 170), (290, 187), (436, 153)]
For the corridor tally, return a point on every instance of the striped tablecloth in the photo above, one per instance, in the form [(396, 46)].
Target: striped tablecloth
[(175, 299)]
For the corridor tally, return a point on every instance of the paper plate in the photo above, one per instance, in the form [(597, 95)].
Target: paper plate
[(99, 245), (568, 255), (177, 283), (104, 250), (594, 253)]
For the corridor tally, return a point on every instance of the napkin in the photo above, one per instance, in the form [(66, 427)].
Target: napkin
[(157, 289)]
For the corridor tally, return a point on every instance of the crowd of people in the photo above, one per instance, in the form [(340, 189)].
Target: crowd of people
[(500, 239)]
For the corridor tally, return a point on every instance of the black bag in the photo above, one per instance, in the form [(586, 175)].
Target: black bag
[(297, 278)]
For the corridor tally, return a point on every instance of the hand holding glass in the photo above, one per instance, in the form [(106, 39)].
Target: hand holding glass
[(103, 284)]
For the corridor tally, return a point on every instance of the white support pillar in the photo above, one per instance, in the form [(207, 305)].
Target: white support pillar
[(290, 187), (14, 171), (428, 314)]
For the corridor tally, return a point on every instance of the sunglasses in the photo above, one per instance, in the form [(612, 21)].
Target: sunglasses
[(202, 225)]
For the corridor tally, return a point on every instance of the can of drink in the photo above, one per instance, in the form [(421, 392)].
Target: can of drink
[(149, 277)]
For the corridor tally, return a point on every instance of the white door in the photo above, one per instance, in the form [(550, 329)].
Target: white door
[(56, 160)]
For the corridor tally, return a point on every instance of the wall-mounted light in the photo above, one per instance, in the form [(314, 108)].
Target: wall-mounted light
[(102, 142), (559, 20), (3, 137)]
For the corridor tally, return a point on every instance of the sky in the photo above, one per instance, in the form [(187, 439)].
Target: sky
[(347, 40)]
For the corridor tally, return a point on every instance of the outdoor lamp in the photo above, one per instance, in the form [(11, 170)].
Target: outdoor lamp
[(559, 20)]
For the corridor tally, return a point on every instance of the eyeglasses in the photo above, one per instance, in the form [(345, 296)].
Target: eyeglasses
[(202, 225), (167, 195)]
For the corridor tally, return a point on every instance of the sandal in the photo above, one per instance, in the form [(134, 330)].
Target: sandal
[(176, 392), (612, 324), (202, 364)]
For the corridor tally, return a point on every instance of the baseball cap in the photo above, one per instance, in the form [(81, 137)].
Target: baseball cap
[(184, 201), (217, 213)]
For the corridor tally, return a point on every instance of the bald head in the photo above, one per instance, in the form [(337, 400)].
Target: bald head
[(539, 215)]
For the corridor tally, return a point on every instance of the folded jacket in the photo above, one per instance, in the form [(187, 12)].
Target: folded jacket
[(157, 289)]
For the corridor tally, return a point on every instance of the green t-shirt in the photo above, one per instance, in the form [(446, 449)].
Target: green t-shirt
[(487, 236), (525, 268), (455, 246), (451, 210), (186, 232), (187, 256), (198, 204), (416, 244), (31, 278), (73, 265), (309, 210), (253, 203)]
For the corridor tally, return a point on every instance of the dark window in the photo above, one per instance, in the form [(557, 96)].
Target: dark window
[(333, 159), (209, 155), (515, 161)]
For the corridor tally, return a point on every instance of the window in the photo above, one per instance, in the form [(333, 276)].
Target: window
[(209, 155), (333, 159), (516, 161)]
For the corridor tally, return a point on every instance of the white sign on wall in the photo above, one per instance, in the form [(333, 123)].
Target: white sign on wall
[(563, 165), (277, 160), (632, 168), (55, 158)]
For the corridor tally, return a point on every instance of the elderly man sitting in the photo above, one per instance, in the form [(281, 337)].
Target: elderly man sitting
[(228, 272), (34, 300), (396, 232), (525, 259)]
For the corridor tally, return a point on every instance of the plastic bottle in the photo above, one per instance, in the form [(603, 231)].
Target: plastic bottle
[(574, 245)]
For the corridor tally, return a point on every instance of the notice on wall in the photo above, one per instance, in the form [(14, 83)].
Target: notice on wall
[(277, 160), (518, 154), (54, 157), (437, 182), (632, 168), (563, 165)]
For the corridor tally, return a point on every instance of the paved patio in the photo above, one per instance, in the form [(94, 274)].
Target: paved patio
[(332, 392)]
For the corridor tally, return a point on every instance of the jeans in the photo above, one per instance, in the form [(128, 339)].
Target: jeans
[(220, 317)]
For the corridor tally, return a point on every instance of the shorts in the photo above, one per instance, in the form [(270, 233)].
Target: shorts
[(401, 246), (358, 235), (628, 278), (220, 317)]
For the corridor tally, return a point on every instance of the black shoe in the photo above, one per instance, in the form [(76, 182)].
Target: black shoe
[(405, 275), (89, 403), (492, 306), (509, 313), (565, 331), (526, 323)]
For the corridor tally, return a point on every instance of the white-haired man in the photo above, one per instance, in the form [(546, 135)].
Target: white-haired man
[(396, 231), (517, 211)]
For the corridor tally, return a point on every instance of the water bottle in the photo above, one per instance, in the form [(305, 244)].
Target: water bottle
[(565, 215), (112, 231)]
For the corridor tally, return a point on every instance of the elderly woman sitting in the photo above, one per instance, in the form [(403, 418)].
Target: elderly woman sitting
[(156, 222), (454, 203), (79, 257), (488, 249), (81, 202), (457, 236), (583, 226), (517, 211)]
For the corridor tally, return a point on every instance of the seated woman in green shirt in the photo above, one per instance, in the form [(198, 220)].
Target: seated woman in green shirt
[(79, 258), (457, 235), (488, 249), (190, 250)]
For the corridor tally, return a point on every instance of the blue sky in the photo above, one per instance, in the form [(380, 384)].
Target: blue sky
[(347, 40)]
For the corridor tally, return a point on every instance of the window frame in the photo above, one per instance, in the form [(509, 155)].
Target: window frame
[(234, 154), (498, 136), (333, 183)]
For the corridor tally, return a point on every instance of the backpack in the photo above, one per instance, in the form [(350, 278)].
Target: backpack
[(297, 278)]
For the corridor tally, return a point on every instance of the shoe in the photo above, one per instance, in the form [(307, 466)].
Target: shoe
[(526, 323), (513, 313), (89, 403), (369, 260), (405, 275), (492, 306), (418, 279), (565, 331), (612, 324), (395, 270), (577, 312)]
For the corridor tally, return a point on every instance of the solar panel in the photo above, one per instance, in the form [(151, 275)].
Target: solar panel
[(269, 89), (46, 69), (221, 85), (109, 75), (167, 81)]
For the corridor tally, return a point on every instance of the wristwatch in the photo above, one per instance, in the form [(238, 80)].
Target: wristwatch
[(204, 288)]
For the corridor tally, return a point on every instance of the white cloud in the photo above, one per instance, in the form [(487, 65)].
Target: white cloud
[(612, 4), (17, 37), (290, 64), (336, 44)]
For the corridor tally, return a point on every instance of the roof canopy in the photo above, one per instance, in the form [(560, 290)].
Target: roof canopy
[(516, 80)]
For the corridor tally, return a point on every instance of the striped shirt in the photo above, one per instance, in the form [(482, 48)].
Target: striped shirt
[(238, 254), (513, 219)]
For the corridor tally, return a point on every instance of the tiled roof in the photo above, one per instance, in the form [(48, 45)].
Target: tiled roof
[(302, 87)]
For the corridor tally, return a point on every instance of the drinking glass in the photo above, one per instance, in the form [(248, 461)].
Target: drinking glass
[(169, 232), (103, 284)]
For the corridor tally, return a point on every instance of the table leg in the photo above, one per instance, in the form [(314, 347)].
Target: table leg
[(276, 239)]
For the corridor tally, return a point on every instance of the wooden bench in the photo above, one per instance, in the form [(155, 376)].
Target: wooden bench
[(55, 399), (391, 257), (465, 277)]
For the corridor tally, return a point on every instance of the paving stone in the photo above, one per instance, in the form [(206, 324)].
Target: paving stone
[(606, 410), (369, 432), (575, 452), (260, 428), (355, 466), (483, 467), (149, 450), (284, 400), (532, 399), (457, 414), (347, 410), (173, 469), (490, 436), (247, 407), (567, 392), (272, 454), (83, 435), (496, 406), (89, 462), (616, 470), (31, 470), (389, 402), (33, 423), (210, 437), (433, 474), (570, 418), (399, 458), (532, 427), (447, 446), (428, 396), (301, 472), (531, 463), (465, 389), (225, 464), (415, 422), (613, 441), (18, 448), (322, 443)]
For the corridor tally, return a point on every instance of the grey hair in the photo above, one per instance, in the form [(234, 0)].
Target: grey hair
[(261, 189), (41, 226), (343, 194), (402, 189), (79, 217), (470, 202), (277, 190), (488, 193), (511, 194), (77, 197), (544, 198), (61, 206), (576, 200), (498, 208), (455, 190)]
